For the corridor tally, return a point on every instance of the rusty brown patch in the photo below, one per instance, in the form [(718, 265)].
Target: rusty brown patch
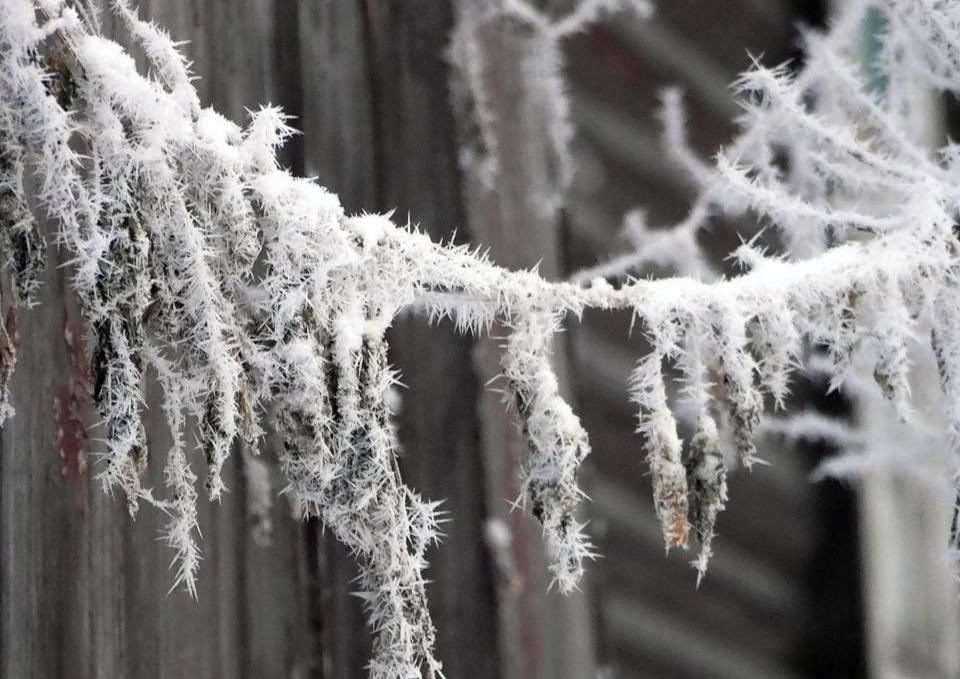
[(8, 348), (70, 402)]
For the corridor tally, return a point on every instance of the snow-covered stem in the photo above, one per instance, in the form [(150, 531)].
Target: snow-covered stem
[(675, 142), (705, 464), (538, 37), (674, 249), (663, 448), (558, 445), (183, 530)]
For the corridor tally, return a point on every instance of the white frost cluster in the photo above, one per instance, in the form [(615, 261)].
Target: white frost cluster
[(558, 445), (165, 207)]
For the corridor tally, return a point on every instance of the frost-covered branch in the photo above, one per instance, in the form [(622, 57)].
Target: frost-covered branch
[(165, 206)]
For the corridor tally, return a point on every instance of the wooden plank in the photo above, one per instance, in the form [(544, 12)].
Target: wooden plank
[(697, 652)]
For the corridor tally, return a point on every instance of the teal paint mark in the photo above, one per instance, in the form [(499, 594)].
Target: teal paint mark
[(874, 26)]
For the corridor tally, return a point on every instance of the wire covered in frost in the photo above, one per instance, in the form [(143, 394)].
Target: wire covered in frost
[(165, 206)]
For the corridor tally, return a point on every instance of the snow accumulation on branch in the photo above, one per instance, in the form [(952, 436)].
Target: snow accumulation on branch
[(165, 207)]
